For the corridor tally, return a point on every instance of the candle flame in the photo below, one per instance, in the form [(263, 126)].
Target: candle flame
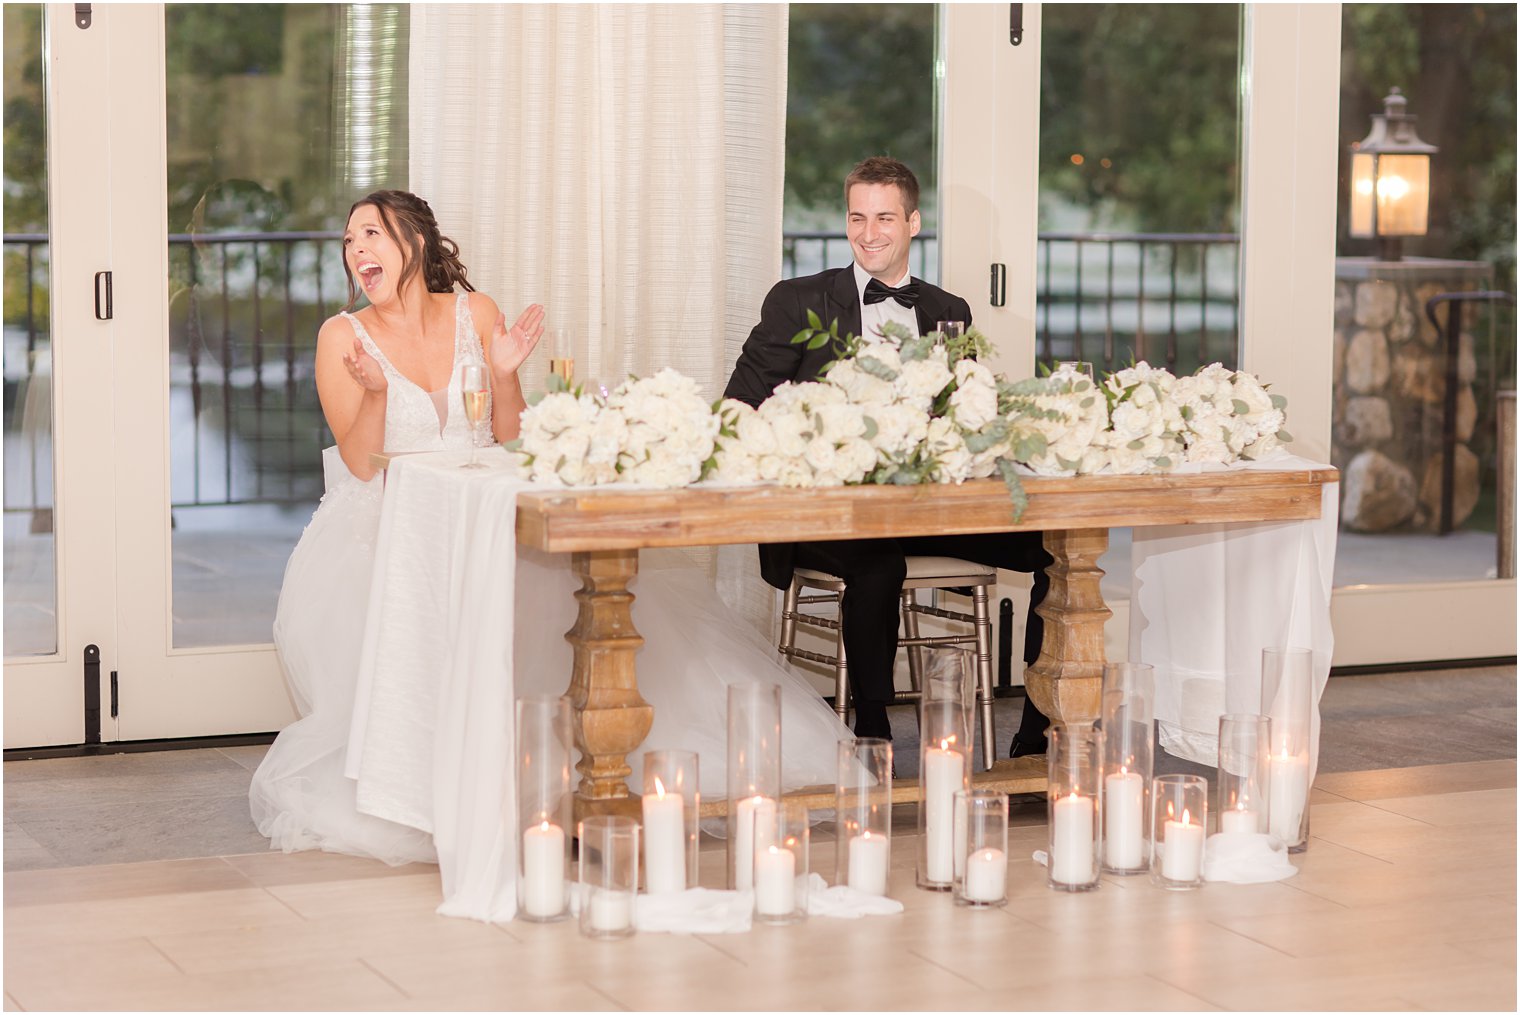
[(545, 825), (1170, 812), (1073, 795), (773, 850), (1185, 816), (659, 788), (944, 744)]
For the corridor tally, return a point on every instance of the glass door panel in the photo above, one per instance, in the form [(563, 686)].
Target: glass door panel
[(1422, 423), (31, 565), (1139, 204)]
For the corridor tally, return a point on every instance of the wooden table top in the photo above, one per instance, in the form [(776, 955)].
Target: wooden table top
[(563, 521)]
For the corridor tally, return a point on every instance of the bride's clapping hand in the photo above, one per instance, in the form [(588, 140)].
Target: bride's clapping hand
[(511, 346), (363, 369)]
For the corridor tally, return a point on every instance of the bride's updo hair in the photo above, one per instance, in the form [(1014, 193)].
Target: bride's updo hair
[(410, 222)]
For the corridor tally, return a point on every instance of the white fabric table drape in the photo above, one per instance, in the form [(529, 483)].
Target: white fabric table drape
[(432, 735), (1206, 599)]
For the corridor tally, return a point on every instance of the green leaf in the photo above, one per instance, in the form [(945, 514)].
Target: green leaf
[(871, 428), (1240, 406), (1284, 436), (813, 321), (535, 398), (819, 341), (513, 445), (1015, 486), (1279, 401), (1187, 412), (804, 335), (1135, 445)]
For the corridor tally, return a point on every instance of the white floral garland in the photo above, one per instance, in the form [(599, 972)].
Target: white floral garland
[(895, 408)]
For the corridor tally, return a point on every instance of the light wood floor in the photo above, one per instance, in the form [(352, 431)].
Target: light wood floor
[(1405, 900)]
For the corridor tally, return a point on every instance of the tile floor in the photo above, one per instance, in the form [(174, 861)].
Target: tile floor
[(1405, 900)]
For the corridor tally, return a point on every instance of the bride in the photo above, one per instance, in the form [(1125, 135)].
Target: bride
[(388, 378)]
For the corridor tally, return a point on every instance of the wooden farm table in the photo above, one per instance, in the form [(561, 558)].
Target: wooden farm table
[(604, 530)]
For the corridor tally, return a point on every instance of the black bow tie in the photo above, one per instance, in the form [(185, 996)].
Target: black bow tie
[(907, 295)]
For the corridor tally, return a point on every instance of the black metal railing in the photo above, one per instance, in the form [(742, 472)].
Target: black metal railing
[(245, 309)]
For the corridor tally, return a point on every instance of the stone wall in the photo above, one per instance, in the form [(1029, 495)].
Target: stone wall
[(1390, 393)]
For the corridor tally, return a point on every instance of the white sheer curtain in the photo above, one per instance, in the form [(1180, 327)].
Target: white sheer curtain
[(622, 165)]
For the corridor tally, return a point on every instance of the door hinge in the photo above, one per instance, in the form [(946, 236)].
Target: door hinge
[(114, 699), (82, 15), (92, 694), (103, 296)]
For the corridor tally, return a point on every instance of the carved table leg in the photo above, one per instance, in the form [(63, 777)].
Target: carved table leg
[(611, 719), (1067, 682)]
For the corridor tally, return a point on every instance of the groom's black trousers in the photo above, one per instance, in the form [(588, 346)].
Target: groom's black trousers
[(873, 572)]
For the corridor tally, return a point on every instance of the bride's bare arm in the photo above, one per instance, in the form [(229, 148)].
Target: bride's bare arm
[(352, 389), (506, 349)]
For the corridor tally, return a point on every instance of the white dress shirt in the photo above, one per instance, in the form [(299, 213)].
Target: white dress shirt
[(874, 315)]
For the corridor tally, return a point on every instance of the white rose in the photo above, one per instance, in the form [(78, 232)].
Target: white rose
[(923, 379), (974, 402)]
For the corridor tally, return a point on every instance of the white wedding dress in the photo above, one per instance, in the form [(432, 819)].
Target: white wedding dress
[(694, 648)]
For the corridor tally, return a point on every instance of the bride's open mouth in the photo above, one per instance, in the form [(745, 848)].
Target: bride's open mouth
[(371, 273)]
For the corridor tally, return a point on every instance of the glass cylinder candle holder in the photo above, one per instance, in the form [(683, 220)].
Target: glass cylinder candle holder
[(1242, 778), (982, 872), (609, 874), (1128, 723), (781, 866), (754, 774), (863, 814), (1074, 805), (944, 760), (1179, 817), (670, 806), (545, 806), (1287, 698)]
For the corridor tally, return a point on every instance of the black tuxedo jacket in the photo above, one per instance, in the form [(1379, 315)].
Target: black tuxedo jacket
[(769, 358)]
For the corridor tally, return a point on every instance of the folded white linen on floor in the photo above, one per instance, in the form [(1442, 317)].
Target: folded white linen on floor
[(844, 902), (695, 911), (1206, 599), (721, 911), (1246, 858)]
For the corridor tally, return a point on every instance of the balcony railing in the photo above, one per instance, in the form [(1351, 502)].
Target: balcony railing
[(246, 427)]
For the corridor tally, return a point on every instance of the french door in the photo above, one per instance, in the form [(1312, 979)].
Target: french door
[(1289, 89), (113, 668)]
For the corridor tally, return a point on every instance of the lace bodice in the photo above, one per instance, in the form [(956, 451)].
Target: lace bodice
[(411, 417)]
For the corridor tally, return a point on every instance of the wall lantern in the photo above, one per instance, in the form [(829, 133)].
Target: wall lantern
[(1390, 179)]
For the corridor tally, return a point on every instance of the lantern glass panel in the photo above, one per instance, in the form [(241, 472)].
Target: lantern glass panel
[(1403, 194), (1363, 169)]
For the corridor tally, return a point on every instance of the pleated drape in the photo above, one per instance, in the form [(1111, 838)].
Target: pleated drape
[(622, 165)]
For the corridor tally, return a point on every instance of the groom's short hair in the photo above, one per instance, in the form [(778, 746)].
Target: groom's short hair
[(881, 169)]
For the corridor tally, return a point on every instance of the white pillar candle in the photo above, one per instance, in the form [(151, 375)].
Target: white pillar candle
[(869, 858), (986, 875), (1071, 841), (1237, 819), (756, 828), (775, 881), (544, 870), (1123, 824), (944, 774), (611, 909), (1288, 790), (664, 841), (1183, 853)]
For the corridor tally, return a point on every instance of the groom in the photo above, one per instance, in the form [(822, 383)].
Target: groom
[(881, 197)]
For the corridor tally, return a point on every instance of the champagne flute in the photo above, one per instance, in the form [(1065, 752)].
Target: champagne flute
[(477, 395), (561, 355), (949, 330)]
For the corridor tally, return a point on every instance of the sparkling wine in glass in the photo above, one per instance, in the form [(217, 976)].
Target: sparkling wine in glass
[(477, 396), (561, 356)]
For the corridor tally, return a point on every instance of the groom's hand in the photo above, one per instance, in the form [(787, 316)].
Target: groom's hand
[(510, 346)]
